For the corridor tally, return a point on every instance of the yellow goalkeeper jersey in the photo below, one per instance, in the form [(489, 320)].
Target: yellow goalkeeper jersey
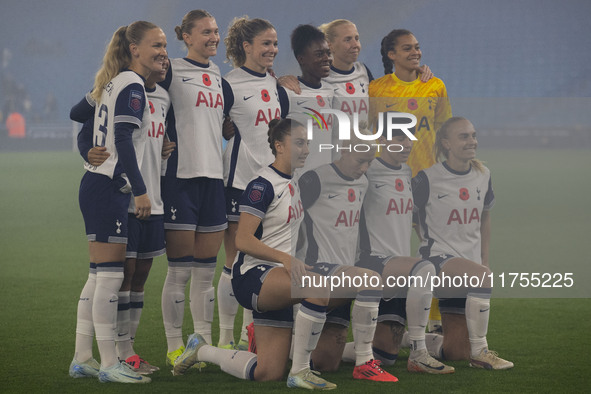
[(427, 101)]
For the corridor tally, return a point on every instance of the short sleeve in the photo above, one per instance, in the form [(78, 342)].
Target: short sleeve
[(309, 185), (257, 197), (130, 104), (489, 198), (420, 190)]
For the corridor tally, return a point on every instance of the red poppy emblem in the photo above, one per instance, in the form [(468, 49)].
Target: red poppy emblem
[(351, 195), (265, 95), (320, 101), (206, 80), (152, 110), (464, 195), (350, 88), (399, 185), (291, 191), (412, 104)]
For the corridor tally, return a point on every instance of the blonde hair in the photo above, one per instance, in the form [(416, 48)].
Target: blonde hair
[(242, 29), (117, 55), (188, 22), (441, 154), (329, 28)]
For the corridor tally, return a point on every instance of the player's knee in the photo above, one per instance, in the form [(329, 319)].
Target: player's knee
[(268, 374)]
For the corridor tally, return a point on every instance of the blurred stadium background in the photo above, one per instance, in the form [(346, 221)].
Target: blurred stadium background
[(518, 69)]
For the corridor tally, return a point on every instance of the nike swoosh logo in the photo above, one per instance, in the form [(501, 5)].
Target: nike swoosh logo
[(231, 294), (178, 301), (390, 105), (84, 299), (484, 310), (436, 368), (122, 335), (113, 300), (374, 319), (382, 185), (315, 333), (187, 79), (132, 377), (427, 309), (440, 196), (280, 194), (211, 299), (331, 196), (300, 102), (246, 98)]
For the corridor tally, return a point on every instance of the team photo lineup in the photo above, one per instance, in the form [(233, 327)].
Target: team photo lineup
[(312, 185)]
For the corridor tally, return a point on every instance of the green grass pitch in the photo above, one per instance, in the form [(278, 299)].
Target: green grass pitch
[(540, 224)]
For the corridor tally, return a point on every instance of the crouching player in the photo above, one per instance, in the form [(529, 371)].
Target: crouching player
[(264, 271), (332, 195), (453, 199), (385, 238)]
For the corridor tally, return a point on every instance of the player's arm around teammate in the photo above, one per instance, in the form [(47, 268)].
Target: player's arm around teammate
[(265, 271), (134, 52), (192, 187), (451, 199)]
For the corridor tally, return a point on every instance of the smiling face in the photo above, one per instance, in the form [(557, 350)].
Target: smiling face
[(315, 61), (261, 53), (345, 46), (149, 55), (203, 40), (460, 142), (299, 147), (406, 54)]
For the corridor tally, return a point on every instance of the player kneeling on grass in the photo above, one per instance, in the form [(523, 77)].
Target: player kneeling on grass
[(332, 195), (452, 200), (385, 242), (264, 271)]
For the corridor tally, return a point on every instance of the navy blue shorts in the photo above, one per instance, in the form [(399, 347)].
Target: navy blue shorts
[(233, 203), (439, 260), (374, 263), (448, 305), (247, 288), (195, 204), (145, 238), (104, 208)]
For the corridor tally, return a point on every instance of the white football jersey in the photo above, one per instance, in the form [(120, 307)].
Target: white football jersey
[(123, 100), (351, 94), (449, 207), (303, 108), (155, 129), (332, 206), (196, 125), (254, 101), (386, 225), (273, 197)]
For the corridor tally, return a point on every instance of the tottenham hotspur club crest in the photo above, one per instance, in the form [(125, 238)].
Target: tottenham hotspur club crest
[(173, 211), (234, 202), (118, 223)]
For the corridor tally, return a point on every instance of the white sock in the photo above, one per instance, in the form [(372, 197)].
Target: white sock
[(477, 313), (136, 306), (364, 317), (227, 308), (109, 277), (307, 329), (234, 362), (173, 300), (434, 344), (405, 341), (123, 340), (349, 353), (418, 304), (246, 320), (202, 296), (84, 325)]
